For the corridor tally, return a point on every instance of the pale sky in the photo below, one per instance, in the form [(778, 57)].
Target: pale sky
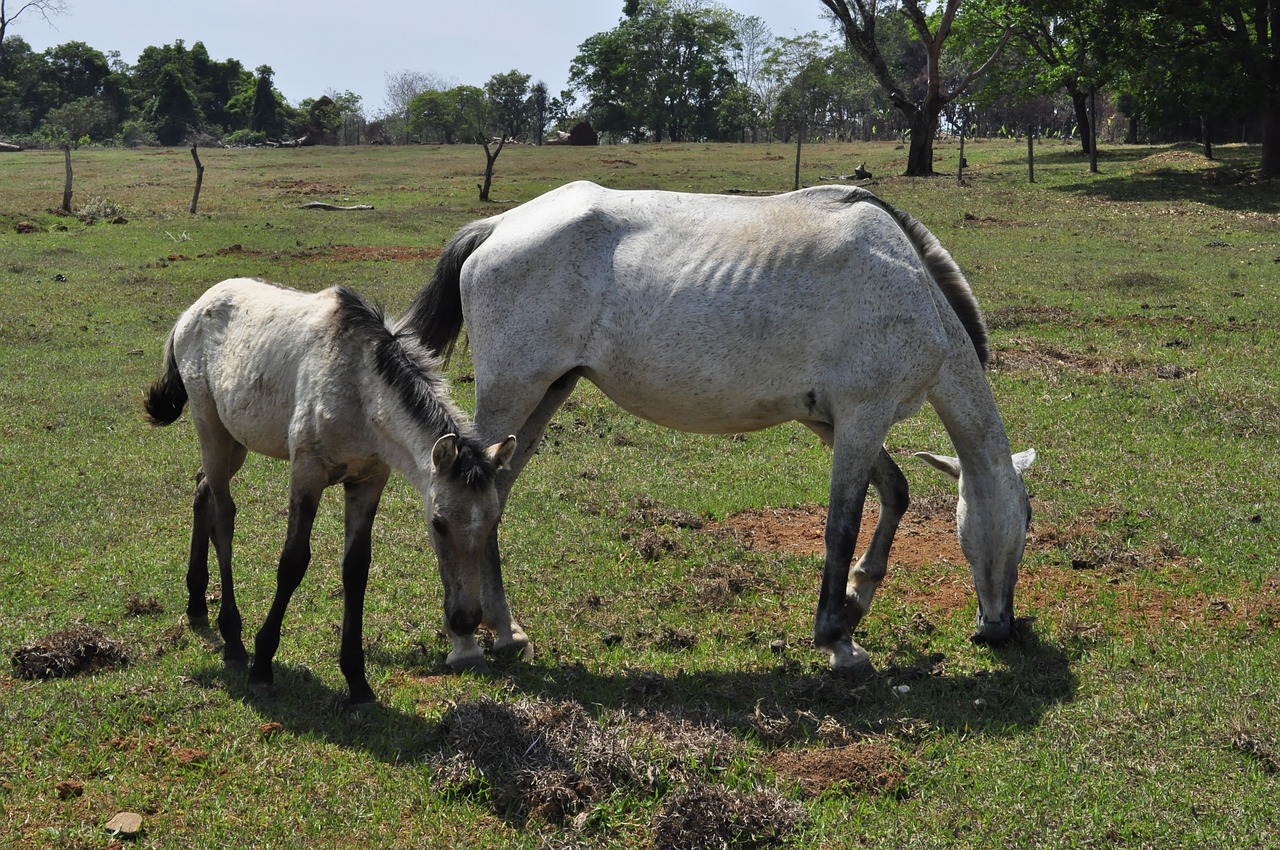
[(322, 46)]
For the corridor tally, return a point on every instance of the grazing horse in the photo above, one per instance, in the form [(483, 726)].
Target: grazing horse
[(719, 314), (322, 381)]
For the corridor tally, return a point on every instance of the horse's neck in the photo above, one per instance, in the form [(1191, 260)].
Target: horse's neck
[(967, 408), (407, 441)]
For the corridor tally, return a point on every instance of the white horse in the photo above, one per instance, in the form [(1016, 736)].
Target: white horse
[(719, 314), (322, 381)]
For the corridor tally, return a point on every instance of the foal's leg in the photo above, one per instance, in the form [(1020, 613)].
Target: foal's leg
[(891, 485), (198, 558), (304, 498), (214, 520), (361, 507), (498, 414)]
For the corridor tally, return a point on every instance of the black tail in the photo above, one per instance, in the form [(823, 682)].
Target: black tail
[(435, 316), (167, 396)]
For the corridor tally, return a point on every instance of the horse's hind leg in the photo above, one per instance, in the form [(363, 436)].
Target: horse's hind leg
[(304, 500), (891, 486), (198, 558), (361, 508), (222, 457)]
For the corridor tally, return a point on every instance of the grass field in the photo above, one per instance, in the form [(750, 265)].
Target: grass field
[(667, 580)]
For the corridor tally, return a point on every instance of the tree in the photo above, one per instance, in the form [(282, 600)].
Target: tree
[(661, 72), (401, 89), (172, 111), (539, 110), (1210, 58), (11, 10), (508, 96), (921, 104), (266, 114)]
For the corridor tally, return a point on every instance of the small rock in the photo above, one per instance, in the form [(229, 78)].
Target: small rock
[(902, 689), (125, 824), (778, 646), (979, 703), (611, 639)]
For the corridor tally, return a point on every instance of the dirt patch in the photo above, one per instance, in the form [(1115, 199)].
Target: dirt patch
[(926, 535), (864, 768), (68, 652), (341, 253)]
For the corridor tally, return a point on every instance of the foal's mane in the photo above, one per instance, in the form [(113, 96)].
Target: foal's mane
[(412, 372), (941, 267)]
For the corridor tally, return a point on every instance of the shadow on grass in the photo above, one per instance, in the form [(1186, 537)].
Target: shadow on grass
[(793, 699), (304, 705)]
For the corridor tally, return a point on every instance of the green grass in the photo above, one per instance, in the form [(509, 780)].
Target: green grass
[(1134, 314)]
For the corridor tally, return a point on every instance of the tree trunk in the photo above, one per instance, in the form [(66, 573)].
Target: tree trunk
[(490, 159), (1271, 139), (1080, 103), (924, 127)]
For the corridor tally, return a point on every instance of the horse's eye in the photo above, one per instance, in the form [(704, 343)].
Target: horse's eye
[(440, 526)]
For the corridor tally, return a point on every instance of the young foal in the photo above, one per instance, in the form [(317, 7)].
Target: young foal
[(320, 380)]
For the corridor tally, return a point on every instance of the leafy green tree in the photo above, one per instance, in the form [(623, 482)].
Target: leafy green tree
[(21, 99), (509, 101), (920, 99), (172, 111), (267, 111), (1211, 58), (76, 122), (662, 71)]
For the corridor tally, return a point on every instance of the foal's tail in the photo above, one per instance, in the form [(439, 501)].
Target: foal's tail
[(166, 398), (435, 316)]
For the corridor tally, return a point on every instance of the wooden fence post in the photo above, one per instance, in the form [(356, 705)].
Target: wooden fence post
[(195, 197)]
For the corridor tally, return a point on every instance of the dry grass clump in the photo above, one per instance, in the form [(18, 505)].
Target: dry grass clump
[(535, 758), (706, 816), (68, 652)]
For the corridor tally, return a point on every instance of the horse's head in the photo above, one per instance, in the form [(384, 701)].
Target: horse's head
[(464, 511), (992, 517)]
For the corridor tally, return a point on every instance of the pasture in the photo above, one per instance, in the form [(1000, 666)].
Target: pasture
[(668, 581)]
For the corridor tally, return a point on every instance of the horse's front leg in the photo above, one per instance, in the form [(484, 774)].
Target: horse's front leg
[(891, 486), (529, 429), (852, 462), (294, 559), (361, 507)]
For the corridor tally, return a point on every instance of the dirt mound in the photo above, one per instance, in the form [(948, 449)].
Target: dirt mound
[(864, 768), (68, 652), (707, 816)]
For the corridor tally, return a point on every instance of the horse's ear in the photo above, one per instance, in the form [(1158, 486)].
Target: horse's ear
[(500, 454), (1022, 460), (943, 463), (444, 453)]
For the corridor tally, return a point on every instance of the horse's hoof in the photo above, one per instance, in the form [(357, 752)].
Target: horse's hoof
[(476, 665), (859, 671), (849, 659), (235, 661), (362, 709), (262, 690), (198, 622), (515, 650)]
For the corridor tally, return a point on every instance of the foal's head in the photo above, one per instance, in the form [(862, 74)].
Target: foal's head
[(463, 517)]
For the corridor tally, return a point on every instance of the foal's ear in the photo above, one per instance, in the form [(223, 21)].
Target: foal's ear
[(943, 463), (1022, 460), (444, 453), (500, 454)]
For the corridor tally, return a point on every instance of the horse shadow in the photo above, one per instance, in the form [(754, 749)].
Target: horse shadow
[(795, 700), (303, 704)]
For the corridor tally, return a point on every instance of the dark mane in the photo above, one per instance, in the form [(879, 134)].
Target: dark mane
[(942, 268), (412, 373)]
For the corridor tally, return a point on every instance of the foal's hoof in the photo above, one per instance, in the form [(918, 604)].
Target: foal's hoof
[(198, 622)]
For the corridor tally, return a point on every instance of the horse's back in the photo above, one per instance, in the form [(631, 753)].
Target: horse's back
[(253, 352), (706, 312)]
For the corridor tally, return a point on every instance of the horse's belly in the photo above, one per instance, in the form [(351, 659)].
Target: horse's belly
[(706, 411)]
